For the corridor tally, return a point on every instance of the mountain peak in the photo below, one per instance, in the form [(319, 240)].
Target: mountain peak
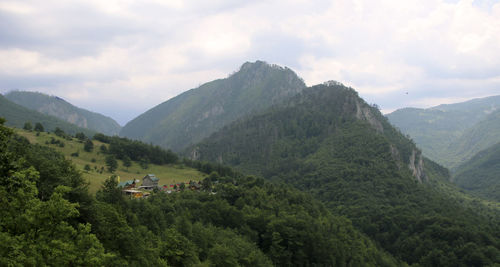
[(255, 65), (195, 114)]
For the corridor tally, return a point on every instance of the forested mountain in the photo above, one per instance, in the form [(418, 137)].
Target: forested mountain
[(330, 143), (195, 114), (59, 108), (17, 116), (444, 132), (482, 135), (481, 174), (49, 218)]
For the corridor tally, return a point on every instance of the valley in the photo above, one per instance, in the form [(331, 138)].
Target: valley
[(289, 175)]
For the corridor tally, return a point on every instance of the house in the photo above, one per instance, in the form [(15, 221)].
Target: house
[(133, 193), (127, 184), (149, 181), (194, 185)]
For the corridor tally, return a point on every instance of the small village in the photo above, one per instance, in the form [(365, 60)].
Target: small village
[(149, 183)]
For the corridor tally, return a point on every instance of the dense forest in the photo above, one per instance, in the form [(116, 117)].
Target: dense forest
[(49, 218), (135, 150), (328, 142), (480, 175), (334, 185)]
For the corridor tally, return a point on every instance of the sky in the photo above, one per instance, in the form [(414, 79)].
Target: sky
[(123, 57)]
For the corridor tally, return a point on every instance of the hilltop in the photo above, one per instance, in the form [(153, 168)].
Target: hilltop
[(17, 115), (197, 113), (59, 108)]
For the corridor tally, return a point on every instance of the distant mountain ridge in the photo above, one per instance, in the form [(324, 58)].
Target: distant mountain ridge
[(58, 107), (17, 115), (449, 134), (195, 114)]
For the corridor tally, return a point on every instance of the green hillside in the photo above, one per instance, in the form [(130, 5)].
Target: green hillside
[(480, 136), (57, 107), (195, 114), (330, 143), (168, 174), (48, 218), (17, 116), (439, 130), (481, 174)]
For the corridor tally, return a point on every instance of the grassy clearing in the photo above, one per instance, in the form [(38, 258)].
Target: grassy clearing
[(168, 174)]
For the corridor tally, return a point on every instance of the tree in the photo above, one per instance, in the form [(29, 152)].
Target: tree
[(81, 136), (59, 132), (88, 146), (206, 184), (39, 127), (144, 163), (127, 162), (36, 232), (111, 163), (87, 168), (28, 126)]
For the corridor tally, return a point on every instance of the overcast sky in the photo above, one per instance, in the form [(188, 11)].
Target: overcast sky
[(122, 57)]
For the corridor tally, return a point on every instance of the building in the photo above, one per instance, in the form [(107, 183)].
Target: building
[(127, 184), (149, 182)]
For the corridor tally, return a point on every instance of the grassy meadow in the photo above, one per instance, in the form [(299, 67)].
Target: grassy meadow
[(168, 174)]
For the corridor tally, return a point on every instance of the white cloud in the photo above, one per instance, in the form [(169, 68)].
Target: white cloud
[(136, 54)]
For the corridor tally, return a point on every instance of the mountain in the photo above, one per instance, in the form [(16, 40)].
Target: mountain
[(17, 116), (480, 136), (438, 130), (330, 143), (195, 114), (48, 217), (57, 107), (481, 174)]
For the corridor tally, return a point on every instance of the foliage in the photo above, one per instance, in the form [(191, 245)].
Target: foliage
[(248, 222), (88, 145), (27, 126), (39, 127), (135, 150), (111, 163), (330, 143), (40, 231), (480, 174)]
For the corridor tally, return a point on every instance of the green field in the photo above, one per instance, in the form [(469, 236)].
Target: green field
[(168, 174)]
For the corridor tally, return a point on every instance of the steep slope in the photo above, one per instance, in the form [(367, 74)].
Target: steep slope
[(195, 114), (481, 174), (329, 142), (17, 115), (480, 136), (57, 107), (437, 129)]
